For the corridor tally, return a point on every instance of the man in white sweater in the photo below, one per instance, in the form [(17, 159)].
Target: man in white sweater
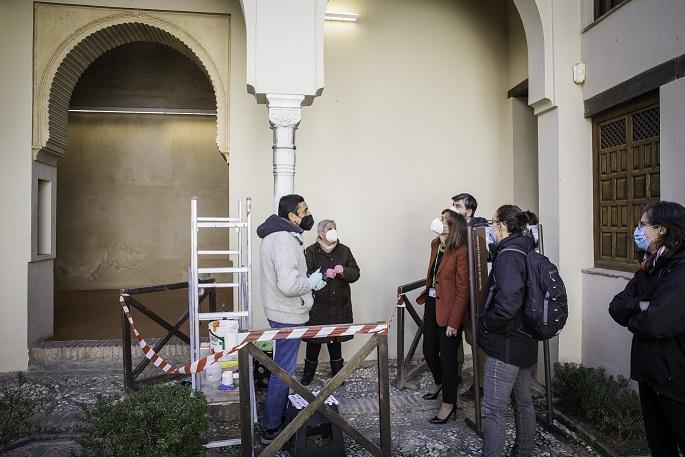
[(286, 295)]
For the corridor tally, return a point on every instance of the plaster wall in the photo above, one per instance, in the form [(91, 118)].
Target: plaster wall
[(517, 49), (574, 184), (388, 142), (124, 198), (672, 140), (15, 185), (605, 343), (636, 37), (525, 154)]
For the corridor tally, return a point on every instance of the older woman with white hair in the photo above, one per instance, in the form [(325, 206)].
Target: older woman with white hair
[(332, 304)]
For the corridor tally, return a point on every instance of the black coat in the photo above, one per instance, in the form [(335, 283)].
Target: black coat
[(658, 348), (332, 304), (500, 313)]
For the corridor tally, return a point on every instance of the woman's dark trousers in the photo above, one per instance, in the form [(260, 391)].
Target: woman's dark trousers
[(664, 420), (441, 353)]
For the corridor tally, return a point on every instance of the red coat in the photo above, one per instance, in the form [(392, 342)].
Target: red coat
[(451, 286)]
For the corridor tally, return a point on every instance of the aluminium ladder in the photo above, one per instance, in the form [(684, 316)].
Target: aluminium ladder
[(241, 282)]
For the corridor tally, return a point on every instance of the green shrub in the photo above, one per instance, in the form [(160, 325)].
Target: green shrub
[(154, 422), (606, 402), (17, 407)]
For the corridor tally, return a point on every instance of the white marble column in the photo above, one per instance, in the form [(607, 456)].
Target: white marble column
[(285, 113)]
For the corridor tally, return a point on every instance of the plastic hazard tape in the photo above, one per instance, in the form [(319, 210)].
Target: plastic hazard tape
[(287, 333)]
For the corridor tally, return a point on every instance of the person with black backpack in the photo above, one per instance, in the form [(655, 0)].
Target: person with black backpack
[(652, 307), (511, 350)]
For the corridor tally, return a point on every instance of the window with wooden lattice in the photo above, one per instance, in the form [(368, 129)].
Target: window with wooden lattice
[(604, 6), (626, 178)]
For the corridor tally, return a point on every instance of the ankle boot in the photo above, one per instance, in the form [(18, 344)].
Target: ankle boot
[(309, 372), (336, 365)]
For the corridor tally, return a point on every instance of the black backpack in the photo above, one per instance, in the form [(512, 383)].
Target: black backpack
[(546, 308)]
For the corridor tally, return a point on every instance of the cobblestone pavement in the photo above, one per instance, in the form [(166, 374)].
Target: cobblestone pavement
[(62, 393)]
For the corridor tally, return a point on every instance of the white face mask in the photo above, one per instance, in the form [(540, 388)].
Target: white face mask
[(332, 235), (436, 226)]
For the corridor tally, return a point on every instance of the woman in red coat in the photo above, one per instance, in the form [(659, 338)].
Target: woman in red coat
[(445, 297)]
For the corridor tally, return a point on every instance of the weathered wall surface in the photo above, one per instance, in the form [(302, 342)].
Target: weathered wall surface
[(124, 197)]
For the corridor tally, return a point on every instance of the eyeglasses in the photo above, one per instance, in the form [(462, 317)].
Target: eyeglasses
[(646, 225), (493, 221)]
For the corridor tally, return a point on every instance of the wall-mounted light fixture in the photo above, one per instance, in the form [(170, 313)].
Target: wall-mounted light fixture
[(579, 73), (342, 17)]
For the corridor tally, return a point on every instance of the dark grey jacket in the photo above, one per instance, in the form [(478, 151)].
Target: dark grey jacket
[(500, 314)]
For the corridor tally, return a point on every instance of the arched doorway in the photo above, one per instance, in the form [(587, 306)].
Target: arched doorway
[(141, 144), (56, 80)]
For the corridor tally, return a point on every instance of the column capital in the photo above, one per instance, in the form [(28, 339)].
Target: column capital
[(284, 110)]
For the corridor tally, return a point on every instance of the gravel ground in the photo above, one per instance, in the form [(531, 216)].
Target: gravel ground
[(61, 395)]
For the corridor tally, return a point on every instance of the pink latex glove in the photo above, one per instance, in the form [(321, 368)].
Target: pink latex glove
[(330, 273), (338, 269)]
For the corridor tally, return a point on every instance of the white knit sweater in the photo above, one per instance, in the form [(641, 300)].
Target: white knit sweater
[(286, 293)]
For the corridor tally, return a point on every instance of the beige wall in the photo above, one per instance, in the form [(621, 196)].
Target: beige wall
[(636, 37), (15, 185), (605, 343), (413, 112), (517, 49), (525, 154), (123, 204)]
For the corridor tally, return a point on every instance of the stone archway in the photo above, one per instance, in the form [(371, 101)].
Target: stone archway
[(55, 84), (536, 16), (66, 40)]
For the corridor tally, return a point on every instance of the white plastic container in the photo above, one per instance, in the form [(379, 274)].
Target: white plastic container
[(223, 335), (227, 378), (213, 373)]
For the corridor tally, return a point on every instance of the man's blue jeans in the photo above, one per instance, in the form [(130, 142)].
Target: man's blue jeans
[(277, 391)]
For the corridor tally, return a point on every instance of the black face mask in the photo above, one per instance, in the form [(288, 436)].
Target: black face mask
[(307, 222)]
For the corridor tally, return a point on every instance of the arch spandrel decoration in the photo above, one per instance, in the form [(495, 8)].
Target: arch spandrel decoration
[(87, 43)]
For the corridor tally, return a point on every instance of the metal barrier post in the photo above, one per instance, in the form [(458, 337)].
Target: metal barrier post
[(545, 349), (126, 350), (246, 420), (476, 425), (384, 394), (401, 374)]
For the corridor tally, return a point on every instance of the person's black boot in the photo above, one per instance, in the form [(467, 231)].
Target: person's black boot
[(336, 366), (309, 372)]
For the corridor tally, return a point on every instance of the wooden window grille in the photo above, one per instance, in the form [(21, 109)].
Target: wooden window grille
[(604, 6), (626, 178)]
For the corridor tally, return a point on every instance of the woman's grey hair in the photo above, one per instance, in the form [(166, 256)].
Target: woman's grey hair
[(322, 225)]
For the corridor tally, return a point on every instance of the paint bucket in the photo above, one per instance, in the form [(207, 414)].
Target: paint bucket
[(223, 335)]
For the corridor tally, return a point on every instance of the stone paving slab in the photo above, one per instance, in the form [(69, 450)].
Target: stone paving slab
[(412, 434)]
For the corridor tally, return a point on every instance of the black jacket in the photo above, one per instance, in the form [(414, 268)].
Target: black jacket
[(658, 348), (500, 313), (275, 223), (478, 222), (333, 303)]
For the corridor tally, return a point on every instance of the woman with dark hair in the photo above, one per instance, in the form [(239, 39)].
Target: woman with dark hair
[(446, 297), (652, 306), (511, 352)]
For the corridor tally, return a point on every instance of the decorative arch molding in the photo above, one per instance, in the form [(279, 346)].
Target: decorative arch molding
[(536, 16), (74, 54)]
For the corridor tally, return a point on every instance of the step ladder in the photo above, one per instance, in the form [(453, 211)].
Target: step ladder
[(241, 282)]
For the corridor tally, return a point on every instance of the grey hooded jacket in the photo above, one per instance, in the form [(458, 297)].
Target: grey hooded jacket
[(286, 292)]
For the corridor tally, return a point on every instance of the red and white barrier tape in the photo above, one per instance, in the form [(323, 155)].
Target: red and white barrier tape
[(245, 338)]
